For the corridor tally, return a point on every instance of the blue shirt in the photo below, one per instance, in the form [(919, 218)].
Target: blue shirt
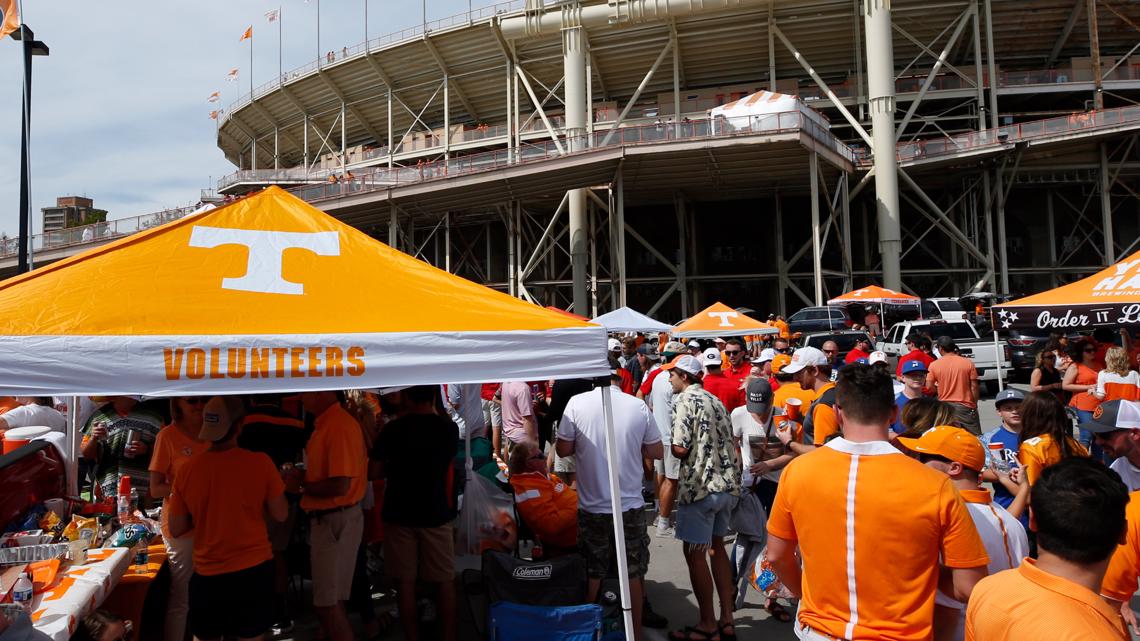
[(900, 402), (1009, 441)]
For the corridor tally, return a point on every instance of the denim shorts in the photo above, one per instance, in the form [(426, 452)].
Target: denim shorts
[(698, 523)]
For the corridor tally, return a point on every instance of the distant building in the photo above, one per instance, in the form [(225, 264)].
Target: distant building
[(69, 211)]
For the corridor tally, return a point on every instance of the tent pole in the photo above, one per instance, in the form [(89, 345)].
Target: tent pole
[(615, 506), (997, 352), (73, 439)]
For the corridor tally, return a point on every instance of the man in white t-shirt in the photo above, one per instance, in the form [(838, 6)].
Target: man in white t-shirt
[(960, 455), (1116, 428), (668, 469), (582, 433), (762, 454), (34, 410)]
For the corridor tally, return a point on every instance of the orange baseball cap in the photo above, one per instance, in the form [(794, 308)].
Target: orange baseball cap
[(780, 362), (952, 443)]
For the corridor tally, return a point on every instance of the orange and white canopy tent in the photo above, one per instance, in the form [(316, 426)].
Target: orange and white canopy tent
[(874, 294), (1108, 298), (719, 319), (269, 294)]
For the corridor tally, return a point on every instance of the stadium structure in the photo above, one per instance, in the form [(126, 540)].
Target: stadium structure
[(568, 152)]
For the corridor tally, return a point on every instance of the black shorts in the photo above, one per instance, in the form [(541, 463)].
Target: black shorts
[(236, 604)]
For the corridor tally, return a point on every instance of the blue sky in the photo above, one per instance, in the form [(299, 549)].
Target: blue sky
[(119, 108)]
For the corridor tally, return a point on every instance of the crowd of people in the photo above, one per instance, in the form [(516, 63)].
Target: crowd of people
[(860, 483)]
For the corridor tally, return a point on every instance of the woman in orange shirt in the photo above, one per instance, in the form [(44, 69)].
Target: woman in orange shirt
[(1117, 381), (1046, 435), (175, 445), (1080, 381)]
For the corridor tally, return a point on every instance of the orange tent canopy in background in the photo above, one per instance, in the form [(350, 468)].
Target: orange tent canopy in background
[(875, 294), (719, 319), (1108, 298)]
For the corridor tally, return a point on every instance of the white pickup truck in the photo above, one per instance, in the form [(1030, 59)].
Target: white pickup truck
[(982, 351)]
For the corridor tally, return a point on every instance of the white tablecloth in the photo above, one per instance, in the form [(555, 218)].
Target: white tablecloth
[(77, 593)]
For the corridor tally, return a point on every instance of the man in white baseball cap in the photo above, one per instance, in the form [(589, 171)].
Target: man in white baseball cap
[(812, 370), (1116, 428), (718, 384)]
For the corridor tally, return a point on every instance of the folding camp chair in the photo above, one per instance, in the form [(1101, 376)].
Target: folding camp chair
[(517, 622)]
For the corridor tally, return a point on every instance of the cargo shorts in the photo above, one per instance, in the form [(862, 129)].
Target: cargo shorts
[(596, 543)]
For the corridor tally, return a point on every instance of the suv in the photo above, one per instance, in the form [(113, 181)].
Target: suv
[(818, 319), (844, 339), (944, 308)]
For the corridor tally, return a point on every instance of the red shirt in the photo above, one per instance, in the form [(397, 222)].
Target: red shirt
[(488, 391), (626, 380), (725, 388), (914, 355), (740, 373), (647, 386), (855, 354)]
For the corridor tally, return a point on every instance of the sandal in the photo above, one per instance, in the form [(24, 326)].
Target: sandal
[(693, 633), (778, 612), (725, 635)]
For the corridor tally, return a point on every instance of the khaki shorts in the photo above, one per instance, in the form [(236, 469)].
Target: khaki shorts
[(423, 553), (333, 541), (670, 466)]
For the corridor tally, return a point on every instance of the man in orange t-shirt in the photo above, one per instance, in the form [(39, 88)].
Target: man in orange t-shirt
[(335, 481), (221, 495), (1120, 580), (1078, 511), (812, 370), (956, 380), (545, 504), (871, 546)]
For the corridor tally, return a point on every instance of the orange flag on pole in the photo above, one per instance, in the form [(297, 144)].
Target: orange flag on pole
[(11, 20), (247, 35)]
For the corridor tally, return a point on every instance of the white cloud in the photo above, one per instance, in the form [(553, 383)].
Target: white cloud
[(119, 108)]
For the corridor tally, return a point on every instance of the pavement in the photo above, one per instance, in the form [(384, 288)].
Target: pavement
[(668, 588)]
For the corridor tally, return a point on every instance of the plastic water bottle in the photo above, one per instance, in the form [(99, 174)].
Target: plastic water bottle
[(142, 557), (22, 593)]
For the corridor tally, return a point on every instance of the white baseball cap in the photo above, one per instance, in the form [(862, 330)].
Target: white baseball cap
[(711, 357), (686, 363), (767, 355), (877, 357), (805, 357), (613, 345)]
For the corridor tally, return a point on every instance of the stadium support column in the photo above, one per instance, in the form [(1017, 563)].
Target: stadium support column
[(881, 85), (574, 67)]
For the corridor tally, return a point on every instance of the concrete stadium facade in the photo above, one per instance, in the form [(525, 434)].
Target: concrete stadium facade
[(563, 152)]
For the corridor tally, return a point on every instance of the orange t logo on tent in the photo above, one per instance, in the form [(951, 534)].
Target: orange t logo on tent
[(263, 267)]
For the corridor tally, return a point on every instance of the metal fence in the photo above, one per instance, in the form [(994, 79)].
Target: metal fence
[(367, 180), (1007, 134), (96, 233)]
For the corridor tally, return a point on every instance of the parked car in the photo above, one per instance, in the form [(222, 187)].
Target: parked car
[(943, 308), (818, 319), (987, 357), (844, 339)]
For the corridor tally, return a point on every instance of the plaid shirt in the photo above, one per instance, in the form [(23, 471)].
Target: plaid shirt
[(701, 425)]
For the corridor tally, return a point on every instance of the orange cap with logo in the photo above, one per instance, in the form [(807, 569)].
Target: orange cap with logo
[(951, 443), (780, 362)]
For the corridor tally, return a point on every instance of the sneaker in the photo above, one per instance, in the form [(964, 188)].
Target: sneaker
[(651, 619), (665, 529), (281, 628)]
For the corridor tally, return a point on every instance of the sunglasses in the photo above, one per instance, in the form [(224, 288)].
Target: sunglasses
[(829, 351), (733, 352), (784, 350)]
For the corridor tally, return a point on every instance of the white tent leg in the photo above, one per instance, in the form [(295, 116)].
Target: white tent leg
[(998, 353), (615, 505), (73, 440)]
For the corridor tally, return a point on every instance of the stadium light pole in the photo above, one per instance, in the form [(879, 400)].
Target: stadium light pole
[(31, 47)]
